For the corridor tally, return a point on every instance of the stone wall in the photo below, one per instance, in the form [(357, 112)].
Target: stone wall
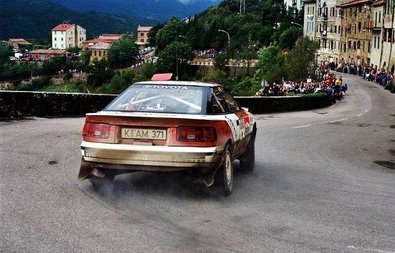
[(54, 104)]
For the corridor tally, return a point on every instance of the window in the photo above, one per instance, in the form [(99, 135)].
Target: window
[(162, 99), (142, 34), (359, 44), (379, 21)]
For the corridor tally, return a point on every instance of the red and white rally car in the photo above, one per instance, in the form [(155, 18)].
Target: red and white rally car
[(169, 126)]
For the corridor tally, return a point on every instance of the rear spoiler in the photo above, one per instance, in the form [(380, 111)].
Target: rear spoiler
[(162, 77)]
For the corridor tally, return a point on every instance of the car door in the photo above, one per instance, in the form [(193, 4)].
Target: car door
[(234, 116)]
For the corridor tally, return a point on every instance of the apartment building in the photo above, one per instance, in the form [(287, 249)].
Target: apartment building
[(68, 35), (356, 32), (309, 19), (327, 31), (360, 32)]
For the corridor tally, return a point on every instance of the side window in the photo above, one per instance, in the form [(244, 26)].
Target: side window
[(214, 105), (230, 102), (219, 96)]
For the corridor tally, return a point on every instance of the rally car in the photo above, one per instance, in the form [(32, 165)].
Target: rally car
[(169, 126)]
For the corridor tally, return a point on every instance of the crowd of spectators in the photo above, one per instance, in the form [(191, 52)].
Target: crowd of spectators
[(330, 84), (208, 53), (370, 73)]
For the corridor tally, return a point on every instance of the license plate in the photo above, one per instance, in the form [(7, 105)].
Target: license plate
[(145, 134)]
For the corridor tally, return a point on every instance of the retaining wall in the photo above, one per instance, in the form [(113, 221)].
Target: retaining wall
[(54, 104)]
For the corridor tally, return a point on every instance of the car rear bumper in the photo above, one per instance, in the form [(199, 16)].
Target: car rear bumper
[(149, 158)]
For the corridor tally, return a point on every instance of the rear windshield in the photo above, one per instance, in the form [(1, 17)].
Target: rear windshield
[(161, 98)]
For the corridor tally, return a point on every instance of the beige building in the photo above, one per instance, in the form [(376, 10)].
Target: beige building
[(357, 31), (17, 43), (142, 36), (99, 51), (68, 35)]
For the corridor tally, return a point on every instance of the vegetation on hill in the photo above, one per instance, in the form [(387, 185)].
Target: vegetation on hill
[(263, 34), (35, 19)]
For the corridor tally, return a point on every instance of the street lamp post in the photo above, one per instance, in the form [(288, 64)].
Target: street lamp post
[(294, 23), (220, 30), (179, 36)]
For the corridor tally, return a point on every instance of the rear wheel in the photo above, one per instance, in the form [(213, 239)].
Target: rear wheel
[(227, 171), (247, 160)]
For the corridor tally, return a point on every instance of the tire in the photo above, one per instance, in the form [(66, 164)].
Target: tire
[(247, 160), (227, 171)]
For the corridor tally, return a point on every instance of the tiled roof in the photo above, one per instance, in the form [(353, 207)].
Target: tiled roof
[(104, 38), (378, 3), (354, 2), (100, 46), (107, 36), (62, 27), (19, 41), (144, 28)]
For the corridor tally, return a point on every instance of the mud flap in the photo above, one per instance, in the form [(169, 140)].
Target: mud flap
[(207, 179), (85, 170)]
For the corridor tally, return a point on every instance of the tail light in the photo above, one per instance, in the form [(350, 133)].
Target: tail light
[(196, 134), (96, 130)]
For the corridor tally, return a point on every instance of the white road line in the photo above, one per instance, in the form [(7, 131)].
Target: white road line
[(338, 120), (359, 115), (368, 249), (366, 110), (300, 126)]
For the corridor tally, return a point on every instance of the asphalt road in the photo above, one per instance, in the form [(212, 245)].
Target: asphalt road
[(324, 182)]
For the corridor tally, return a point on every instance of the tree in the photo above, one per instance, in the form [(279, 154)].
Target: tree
[(123, 52), (52, 66), (147, 71), (5, 53), (270, 64), (169, 33), (289, 37), (176, 51), (300, 61), (99, 73), (119, 82)]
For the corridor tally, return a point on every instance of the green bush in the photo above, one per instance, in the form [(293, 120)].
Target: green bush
[(118, 83), (41, 82)]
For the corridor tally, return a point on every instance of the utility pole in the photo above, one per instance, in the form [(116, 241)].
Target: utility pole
[(179, 36)]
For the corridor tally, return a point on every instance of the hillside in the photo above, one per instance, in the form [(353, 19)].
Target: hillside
[(152, 9), (36, 18)]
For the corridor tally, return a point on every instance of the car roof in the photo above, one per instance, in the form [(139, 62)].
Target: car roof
[(181, 83)]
